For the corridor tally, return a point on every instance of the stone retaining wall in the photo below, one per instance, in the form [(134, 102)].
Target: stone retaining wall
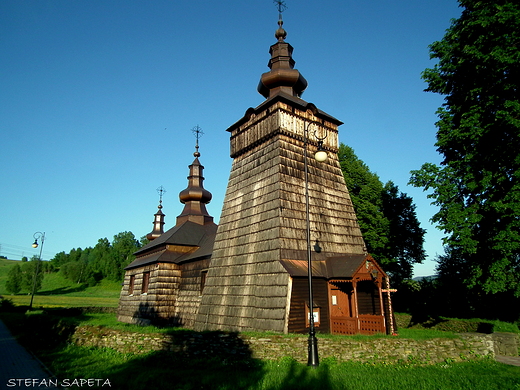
[(371, 349)]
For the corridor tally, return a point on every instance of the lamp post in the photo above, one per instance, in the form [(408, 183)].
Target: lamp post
[(320, 156), (37, 236)]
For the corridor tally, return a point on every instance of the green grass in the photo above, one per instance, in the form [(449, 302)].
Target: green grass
[(61, 301), (164, 370), (57, 291), (109, 320), (5, 266), (160, 370)]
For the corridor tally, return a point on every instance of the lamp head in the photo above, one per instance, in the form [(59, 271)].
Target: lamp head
[(321, 154), (35, 244)]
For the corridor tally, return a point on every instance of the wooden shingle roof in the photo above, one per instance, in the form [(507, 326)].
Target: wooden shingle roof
[(184, 242)]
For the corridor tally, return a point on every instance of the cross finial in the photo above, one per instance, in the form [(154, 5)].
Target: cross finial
[(281, 7), (198, 133), (161, 191)]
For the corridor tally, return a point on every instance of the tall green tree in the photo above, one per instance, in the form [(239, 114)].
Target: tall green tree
[(98, 257), (476, 186), (32, 274), (14, 280), (405, 235), (365, 189), (106, 260), (124, 245), (386, 217)]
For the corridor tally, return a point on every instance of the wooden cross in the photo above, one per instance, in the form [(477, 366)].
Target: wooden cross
[(389, 290)]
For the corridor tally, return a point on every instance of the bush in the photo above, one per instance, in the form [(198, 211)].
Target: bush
[(6, 305)]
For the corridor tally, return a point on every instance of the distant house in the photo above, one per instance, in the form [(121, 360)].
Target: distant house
[(251, 272)]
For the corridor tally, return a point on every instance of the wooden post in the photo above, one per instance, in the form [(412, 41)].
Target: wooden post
[(389, 290)]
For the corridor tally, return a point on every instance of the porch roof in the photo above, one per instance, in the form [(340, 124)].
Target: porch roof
[(333, 267)]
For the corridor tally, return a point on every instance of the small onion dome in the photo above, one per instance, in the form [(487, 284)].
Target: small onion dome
[(195, 191), (158, 224), (282, 77), (280, 34)]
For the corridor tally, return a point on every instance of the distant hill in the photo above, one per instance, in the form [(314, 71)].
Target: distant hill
[(55, 284), (419, 278)]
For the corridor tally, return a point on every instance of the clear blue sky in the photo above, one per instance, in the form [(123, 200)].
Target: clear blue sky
[(98, 99)]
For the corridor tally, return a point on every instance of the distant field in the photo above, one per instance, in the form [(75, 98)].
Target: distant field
[(59, 292), (62, 301)]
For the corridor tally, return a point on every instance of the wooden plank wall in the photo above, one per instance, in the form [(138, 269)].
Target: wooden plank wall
[(188, 299), (157, 304), (332, 217), (368, 298), (300, 299), (246, 286)]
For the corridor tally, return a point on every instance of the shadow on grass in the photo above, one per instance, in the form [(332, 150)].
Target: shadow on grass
[(64, 290), (194, 360), (166, 370), (296, 376), (170, 370)]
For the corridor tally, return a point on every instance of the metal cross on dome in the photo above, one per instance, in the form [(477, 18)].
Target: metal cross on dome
[(161, 191), (198, 133), (281, 6)]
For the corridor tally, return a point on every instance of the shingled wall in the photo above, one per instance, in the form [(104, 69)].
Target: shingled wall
[(158, 303), (263, 218)]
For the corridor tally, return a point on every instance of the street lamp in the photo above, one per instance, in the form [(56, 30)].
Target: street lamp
[(320, 156), (37, 236)]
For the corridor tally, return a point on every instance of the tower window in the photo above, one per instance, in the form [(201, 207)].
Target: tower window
[(131, 285), (203, 275), (146, 281)]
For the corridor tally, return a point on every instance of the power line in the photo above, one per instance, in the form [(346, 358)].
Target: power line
[(17, 251)]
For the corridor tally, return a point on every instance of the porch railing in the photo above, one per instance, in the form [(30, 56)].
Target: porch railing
[(364, 324)]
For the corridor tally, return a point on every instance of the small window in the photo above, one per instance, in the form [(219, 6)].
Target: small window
[(131, 285), (203, 275), (146, 281), (316, 315)]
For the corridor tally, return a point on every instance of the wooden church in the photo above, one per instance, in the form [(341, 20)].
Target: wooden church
[(251, 273), (164, 284)]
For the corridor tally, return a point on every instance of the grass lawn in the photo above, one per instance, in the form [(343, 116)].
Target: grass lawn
[(57, 291), (47, 301), (167, 370), (163, 370), (160, 370)]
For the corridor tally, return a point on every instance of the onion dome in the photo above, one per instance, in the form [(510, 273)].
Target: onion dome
[(282, 78), (195, 197), (158, 221)]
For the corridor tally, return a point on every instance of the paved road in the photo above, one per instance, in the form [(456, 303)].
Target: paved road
[(18, 368)]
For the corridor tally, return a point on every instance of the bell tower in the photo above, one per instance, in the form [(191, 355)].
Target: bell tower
[(262, 234)]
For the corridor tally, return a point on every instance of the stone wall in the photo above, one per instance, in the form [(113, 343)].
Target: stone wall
[(370, 349), (507, 344)]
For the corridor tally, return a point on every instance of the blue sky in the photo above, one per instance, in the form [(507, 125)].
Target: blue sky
[(98, 99)]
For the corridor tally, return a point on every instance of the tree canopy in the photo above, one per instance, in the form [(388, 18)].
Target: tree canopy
[(106, 260), (386, 217), (476, 186)]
